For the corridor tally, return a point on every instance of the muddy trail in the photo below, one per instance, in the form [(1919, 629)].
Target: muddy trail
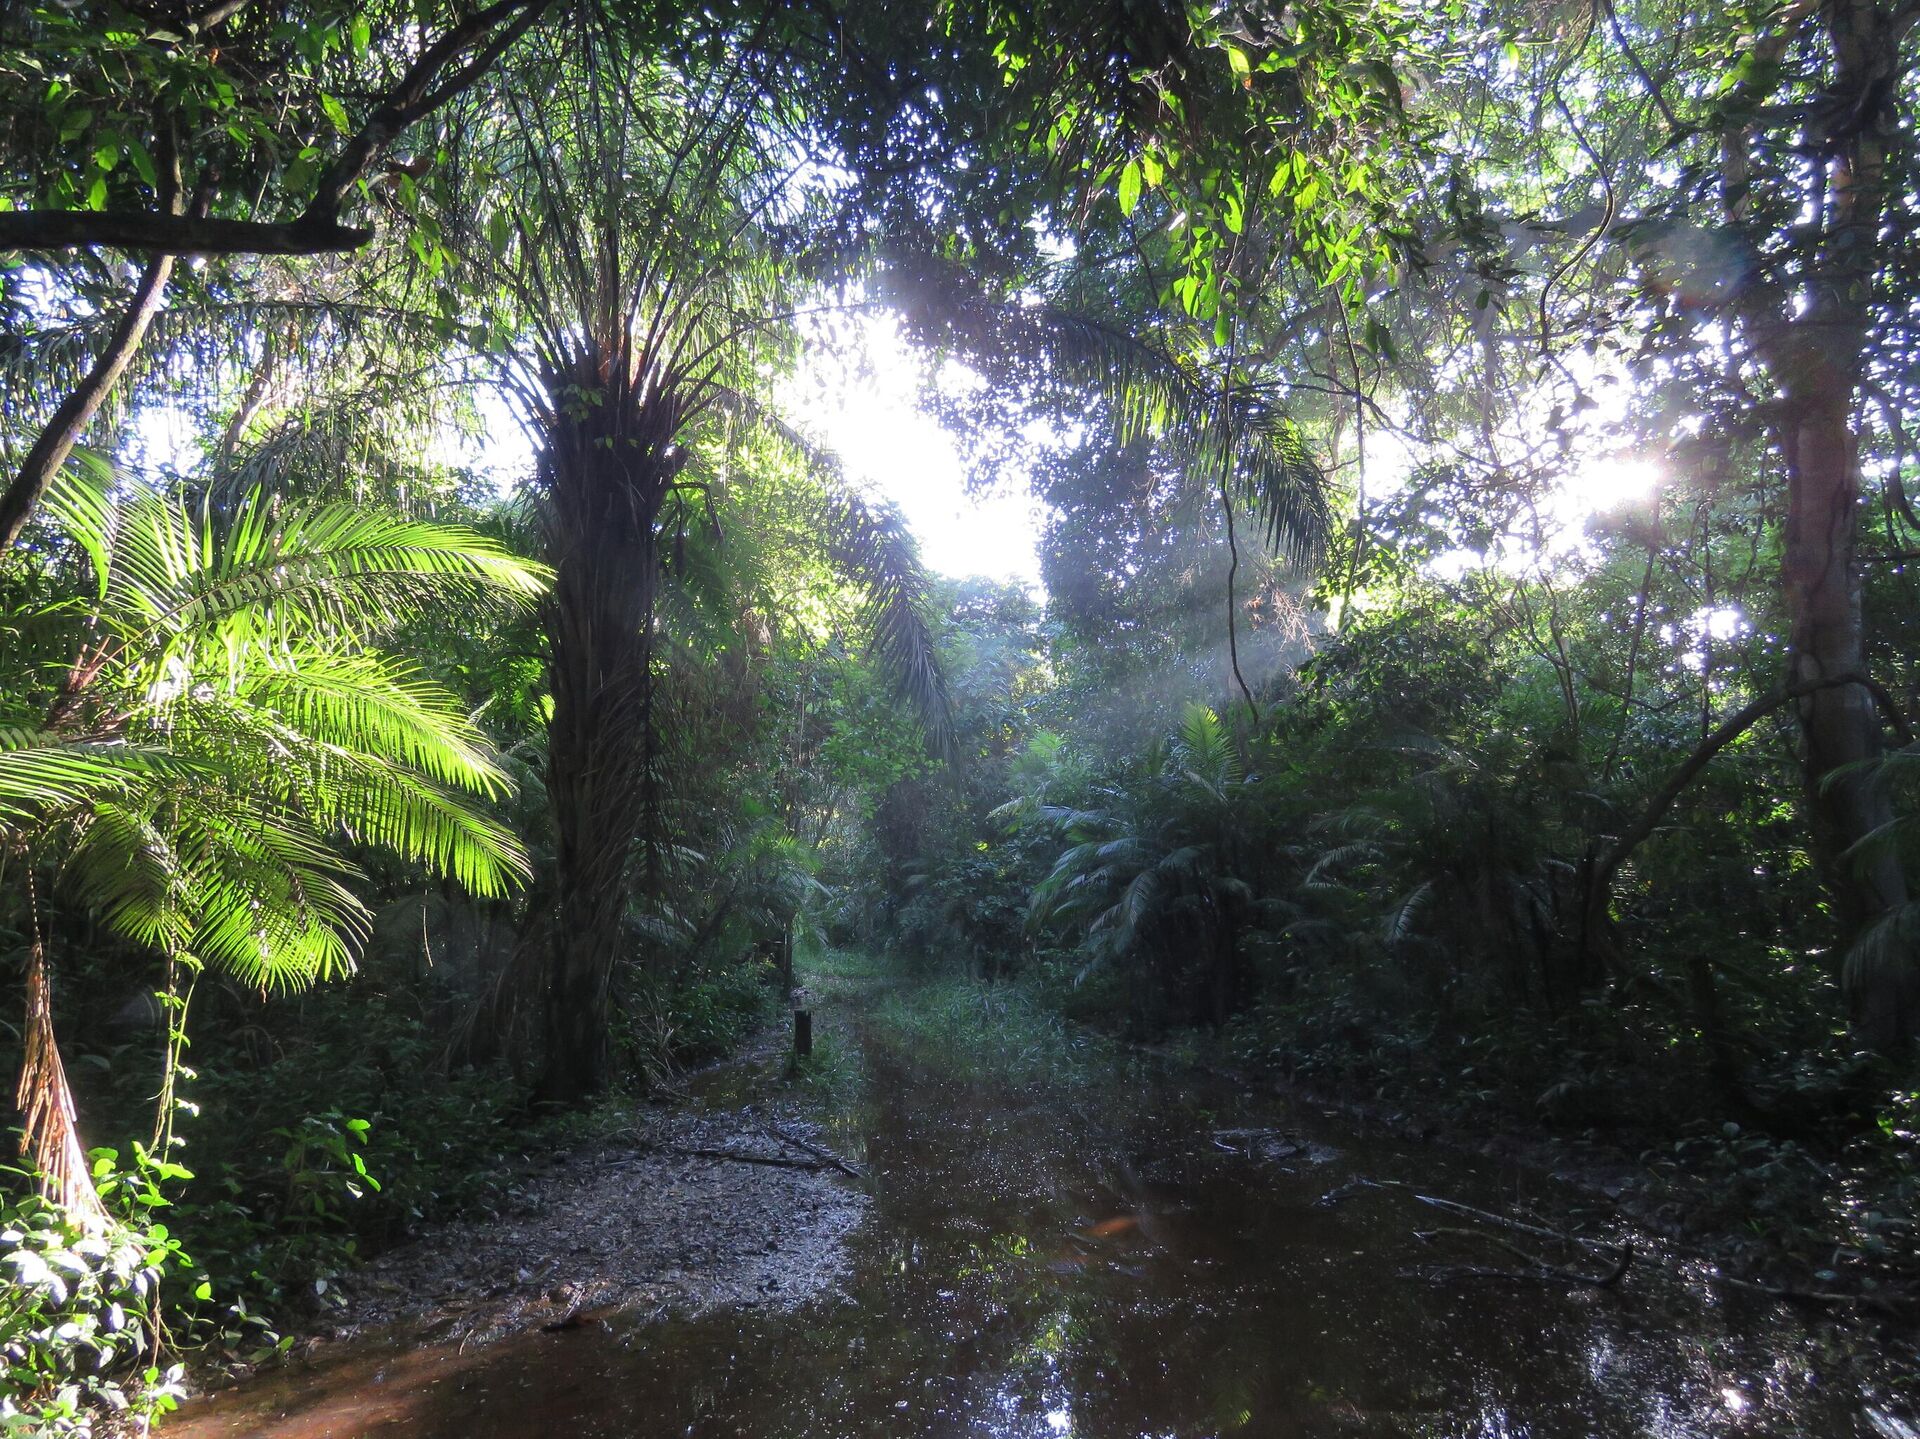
[(1127, 1250)]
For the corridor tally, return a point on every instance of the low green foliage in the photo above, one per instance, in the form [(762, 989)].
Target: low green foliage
[(831, 1073), (835, 963), (287, 1195), (675, 1021), (983, 1032), (83, 1310)]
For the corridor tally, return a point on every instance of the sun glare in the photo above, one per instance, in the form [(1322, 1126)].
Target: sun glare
[(1608, 484), (1605, 485), (858, 390)]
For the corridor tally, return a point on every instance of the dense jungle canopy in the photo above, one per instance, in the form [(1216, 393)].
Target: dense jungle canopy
[(450, 684)]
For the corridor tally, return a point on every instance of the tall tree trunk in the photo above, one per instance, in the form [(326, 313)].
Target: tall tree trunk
[(1858, 118), (1808, 317), (603, 493), (1840, 724)]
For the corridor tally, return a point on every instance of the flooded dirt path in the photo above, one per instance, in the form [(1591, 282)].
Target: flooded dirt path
[(1137, 1252)]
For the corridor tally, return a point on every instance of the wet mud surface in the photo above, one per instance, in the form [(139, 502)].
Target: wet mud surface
[(1146, 1254), (677, 1219)]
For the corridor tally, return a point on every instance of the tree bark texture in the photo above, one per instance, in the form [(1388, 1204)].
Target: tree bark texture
[(1819, 371), (1840, 724), (606, 474), (1808, 319)]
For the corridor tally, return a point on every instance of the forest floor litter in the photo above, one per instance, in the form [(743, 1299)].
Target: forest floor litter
[(683, 1213)]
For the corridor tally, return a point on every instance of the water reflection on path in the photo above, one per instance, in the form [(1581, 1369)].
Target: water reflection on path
[(1084, 1260)]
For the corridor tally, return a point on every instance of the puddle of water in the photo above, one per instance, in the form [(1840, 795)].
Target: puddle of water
[(1089, 1263)]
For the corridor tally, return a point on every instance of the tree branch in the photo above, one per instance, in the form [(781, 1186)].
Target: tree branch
[(76, 412), (1600, 878), (318, 231), (1652, 86), (161, 234), (414, 97)]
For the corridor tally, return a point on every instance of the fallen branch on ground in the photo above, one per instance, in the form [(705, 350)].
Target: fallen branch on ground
[(1537, 1270), (825, 1155), (737, 1156), (1617, 1257), (1885, 1303), (743, 1156)]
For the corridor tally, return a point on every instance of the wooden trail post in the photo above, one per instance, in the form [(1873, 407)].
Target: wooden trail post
[(802, 1032)]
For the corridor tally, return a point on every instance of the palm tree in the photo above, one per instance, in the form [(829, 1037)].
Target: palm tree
[(645, 238), (193, 725), (650, 239), (1155, 881)]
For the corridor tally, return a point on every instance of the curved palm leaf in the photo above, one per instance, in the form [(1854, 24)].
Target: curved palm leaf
[(872, 545), (226, 721)]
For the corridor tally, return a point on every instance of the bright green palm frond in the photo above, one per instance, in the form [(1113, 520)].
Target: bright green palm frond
[(128, 869), (185, 860), (42, 773), (377, 707), (341, 567), (267, 898), (168, 573), (376, 796), (80, 501), (392, 808), (247, 725), (1202, 750)]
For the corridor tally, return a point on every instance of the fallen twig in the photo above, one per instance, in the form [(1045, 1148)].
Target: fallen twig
[(823, 1154), (1886, 1303), (1543, 1274), (1617, 1257), (1537, 1271), (644, 1149), (743, 1156)]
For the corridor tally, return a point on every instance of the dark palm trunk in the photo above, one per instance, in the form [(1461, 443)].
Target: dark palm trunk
[(604, 482)]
